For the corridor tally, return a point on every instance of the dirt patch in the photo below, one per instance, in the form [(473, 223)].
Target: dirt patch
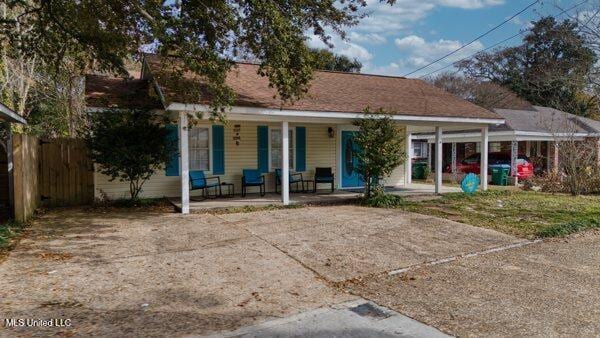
[(545, 289)]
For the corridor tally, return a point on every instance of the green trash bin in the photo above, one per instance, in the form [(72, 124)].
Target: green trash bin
[(418, 170), (500, 174)]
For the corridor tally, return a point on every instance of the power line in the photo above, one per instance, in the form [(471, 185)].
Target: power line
[(477, 38), (470, 56), (500, 42)]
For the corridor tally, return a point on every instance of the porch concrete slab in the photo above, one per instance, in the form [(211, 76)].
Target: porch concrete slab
[(547, 289), (115, 284), (255, 200), (345, 242), (412, 191)]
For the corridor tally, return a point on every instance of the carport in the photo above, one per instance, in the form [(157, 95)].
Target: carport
[(7, 117)]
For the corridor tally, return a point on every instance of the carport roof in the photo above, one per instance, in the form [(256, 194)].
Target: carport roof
[(540, 121), (7, 114)]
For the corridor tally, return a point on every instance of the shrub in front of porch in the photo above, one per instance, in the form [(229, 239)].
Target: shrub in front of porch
[(380, 149), (129, 145)]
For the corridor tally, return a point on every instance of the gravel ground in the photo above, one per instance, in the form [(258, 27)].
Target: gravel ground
[(545, 289)]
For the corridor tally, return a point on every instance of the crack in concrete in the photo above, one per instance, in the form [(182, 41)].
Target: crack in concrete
[(467, 255)]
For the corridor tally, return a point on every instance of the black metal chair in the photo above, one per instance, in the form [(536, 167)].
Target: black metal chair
[(199, 181), (253, 178), (323, 175), (293, 179)]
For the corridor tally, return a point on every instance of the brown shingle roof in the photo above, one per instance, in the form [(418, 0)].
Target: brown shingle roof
[(329, 92), (103, 91)]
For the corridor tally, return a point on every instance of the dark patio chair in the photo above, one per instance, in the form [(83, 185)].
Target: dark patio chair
[(293, 178), (323, 175), (200, 182), (253, 178)]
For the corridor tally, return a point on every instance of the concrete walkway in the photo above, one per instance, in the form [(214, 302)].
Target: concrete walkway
[(356, 319)]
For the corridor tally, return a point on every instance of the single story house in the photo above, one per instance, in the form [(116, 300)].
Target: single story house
[(264, 134), (535, 133), (7, 116)]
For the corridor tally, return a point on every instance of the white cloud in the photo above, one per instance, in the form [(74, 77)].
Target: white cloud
[(347, 48), (385, 19), (470, 4), (419, 52), (384, 22), (371, 38), (392, 69)]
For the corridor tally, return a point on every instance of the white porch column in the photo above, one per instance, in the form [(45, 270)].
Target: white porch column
[(454, 166), (598, 152), (429, 155), (483, 170), (514, 155), (184, 163), (438, 159), (285, 163), (408, 161), (555, 163)]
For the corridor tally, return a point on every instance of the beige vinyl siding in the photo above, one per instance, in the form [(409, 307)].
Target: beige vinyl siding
[(397, 176), (320, 151)]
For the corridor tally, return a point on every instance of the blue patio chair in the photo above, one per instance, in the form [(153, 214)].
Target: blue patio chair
[(200, 182), (293, 178), (253, 178), (323, 175)]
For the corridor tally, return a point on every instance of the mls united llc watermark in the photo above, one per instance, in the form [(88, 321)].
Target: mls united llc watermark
[(33, 322)]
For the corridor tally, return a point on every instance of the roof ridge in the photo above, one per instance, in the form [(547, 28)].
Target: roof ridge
[(315, 70)]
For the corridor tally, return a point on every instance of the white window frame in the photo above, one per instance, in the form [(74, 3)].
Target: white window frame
[(210, 147), (292, 148), (423, 147)]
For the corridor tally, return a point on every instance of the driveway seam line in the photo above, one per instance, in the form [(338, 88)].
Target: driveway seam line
[(467, 255)]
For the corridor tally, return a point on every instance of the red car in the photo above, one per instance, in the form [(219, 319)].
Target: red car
[(471, 164)]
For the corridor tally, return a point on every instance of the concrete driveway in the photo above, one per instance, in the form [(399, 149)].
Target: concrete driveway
[(123, 273), (548, 289)]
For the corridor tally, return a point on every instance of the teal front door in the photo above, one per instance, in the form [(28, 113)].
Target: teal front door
[(350, 176)]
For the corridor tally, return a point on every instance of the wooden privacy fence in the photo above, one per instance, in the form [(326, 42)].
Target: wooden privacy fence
[(25, 173), (66, 173)]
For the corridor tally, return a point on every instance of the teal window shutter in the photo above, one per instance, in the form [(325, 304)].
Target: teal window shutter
[(263, 148), (218, 145), (300, 148), (172, 168)]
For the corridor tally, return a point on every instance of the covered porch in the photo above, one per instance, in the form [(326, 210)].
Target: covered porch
[(314, 139), (414, 190)]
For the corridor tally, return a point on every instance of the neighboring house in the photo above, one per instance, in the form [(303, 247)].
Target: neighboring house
[(319, 126), (535, 133), (6, 163)]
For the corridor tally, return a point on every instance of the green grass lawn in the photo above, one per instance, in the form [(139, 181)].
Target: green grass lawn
[(525, 214)]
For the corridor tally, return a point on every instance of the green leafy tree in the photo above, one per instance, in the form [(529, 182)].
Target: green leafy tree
[(326, 60), (129, 145), (549, 68), (379, 148), (206, 35)]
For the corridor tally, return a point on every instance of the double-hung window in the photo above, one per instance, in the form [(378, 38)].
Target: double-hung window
[(419, 149), (276, 144), (199, 148)]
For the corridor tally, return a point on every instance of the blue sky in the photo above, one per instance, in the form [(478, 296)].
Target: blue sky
[(395, 40)]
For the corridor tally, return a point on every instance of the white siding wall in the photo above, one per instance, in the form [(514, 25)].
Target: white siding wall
[(397, 176), (320, 152)]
